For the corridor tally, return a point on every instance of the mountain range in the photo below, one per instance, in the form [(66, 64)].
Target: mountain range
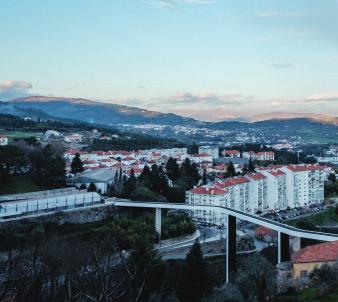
[(112, 114)]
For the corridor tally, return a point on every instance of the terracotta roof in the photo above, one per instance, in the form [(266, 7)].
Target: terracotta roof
[(207, 191), (264, 231), (256, 176), (201, 155), (272, 167), (231, 151), (238, 180), (136, 170), (276, 173), (129, 158), (266, 153), (323, 252), (301, 168)]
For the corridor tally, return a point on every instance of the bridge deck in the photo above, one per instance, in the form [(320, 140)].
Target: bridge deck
[(277, 226)]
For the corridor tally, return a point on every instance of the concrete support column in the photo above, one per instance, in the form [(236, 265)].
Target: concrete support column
[(158, 221), (230, 247), (283, 247)]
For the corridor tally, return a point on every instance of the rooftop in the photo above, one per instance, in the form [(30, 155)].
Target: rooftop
[(323, 252)]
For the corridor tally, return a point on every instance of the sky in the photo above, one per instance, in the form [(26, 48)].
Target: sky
[(209, 59)]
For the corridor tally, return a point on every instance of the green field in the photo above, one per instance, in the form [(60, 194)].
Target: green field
[(20, 134)]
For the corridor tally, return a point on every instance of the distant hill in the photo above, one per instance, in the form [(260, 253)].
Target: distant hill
[(83, 110), (321, 118), (96, 112)]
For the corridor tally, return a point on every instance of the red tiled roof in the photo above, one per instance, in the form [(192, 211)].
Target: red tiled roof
[(301, 168), (208, 191), (108, 160), (272, 167), (231, 152), (256, 176), (201, 155), (266, 152), (136, 170), (88, 162), (264, 231), (276, 173), (323, 252), (238, 180), (129, 158)]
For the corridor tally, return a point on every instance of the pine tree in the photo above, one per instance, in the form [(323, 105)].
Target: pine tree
[(172, 169), (92, 187), (77, 164), (195, 275), (251, 166), (230, 170), (204, 177)]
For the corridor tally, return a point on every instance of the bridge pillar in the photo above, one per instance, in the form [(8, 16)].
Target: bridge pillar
[(283, 247), (158, 221), (230, 247)]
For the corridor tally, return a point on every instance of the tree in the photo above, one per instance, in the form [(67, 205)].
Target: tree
[(332, 178), (204, 177), (256, 278), (172, 169), (92, 187), (324, 277), (129, 185), (231, 170), (11, 158), (195, 283), (77, 164), (227, 293), (176, 195), (143, 194), (251, 166)]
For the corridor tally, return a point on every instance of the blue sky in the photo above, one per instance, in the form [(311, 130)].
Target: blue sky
[(210, 59)]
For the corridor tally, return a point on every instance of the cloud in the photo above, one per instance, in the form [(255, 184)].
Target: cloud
[(323, 97), (11, 89), (174, 4), (273, 14), (281, 65)]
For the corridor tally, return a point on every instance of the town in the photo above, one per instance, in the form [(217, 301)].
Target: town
[(252, 182), (168, 151)]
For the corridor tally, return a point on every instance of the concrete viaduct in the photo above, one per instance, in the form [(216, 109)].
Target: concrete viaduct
[(284, 231)]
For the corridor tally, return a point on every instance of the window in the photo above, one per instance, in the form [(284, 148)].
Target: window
[(303, 274)]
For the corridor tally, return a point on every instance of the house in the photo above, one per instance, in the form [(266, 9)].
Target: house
[(101, 177), (306, 259), (73, 138), (3, 140), (211, 150), (265, 234), (231, 153)]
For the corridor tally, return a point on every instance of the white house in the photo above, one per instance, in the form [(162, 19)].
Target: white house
[(211, 150), (3, 140)]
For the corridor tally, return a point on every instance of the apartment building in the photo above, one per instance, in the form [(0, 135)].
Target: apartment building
[(207, 196), (273, 188), (304, 184)]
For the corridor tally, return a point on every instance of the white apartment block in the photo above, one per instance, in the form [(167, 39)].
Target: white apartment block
[(211, 150), (304, 184), (208, 196), (271, 189)]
